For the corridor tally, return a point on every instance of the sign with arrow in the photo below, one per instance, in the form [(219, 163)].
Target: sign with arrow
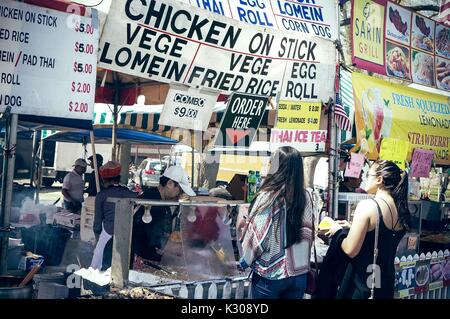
[(241, 120)]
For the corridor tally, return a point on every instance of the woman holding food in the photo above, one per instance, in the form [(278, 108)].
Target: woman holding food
[(276, 236), (389, 209)]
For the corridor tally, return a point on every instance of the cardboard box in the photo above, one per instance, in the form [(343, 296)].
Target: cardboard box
[(67, 219), (237, 187), (87, 220)]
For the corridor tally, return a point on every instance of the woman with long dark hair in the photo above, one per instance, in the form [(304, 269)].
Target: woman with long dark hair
[(390, 208), (277, 235)]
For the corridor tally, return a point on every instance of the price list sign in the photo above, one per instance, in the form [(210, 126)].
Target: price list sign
[(48, 61), (299, 115)]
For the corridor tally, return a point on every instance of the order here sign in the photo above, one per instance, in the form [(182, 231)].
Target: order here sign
[(173, 42), (241, 120)]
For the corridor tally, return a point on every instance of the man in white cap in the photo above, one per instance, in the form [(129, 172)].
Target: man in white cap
[(149, 238), (73, 187)]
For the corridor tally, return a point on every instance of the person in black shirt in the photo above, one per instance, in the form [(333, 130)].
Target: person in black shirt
[(91, 190), (148, 238)]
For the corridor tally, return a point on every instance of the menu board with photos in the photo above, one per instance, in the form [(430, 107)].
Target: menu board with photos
[(400, 43)]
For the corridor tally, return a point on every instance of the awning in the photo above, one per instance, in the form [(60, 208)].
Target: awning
[(147, 118), (104, 136)]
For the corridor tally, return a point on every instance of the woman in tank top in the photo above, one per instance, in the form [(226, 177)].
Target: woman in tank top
[(390, 186)]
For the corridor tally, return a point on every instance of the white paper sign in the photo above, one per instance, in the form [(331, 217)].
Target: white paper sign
[(48, 61), (170, 41), (188, 108), (302, 140), (315, 17)]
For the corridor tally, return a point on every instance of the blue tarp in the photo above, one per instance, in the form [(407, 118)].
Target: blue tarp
[(104, 136)]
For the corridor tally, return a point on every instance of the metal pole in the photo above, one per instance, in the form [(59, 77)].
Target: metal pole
[(33, 157), (115, 116), (8, 192), (192, 159), (39, 172), (94, 158)]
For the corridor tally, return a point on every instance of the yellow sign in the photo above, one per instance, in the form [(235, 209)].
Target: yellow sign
[(395, 150), (384, 109), (299, 115), (368, 31)]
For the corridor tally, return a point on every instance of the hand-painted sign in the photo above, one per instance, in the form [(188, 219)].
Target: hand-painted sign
[(48, 61), (303, 140), (354, 167), (241, 120), (421, 163), (315, 17), (395, 150), (188, 108), (173, 42)]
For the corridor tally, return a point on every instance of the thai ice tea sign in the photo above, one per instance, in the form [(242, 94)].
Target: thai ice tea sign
[(392, 40), (188, 108), (48, 61), (303, 140), (387, 110), (241, 120), (174, 42)]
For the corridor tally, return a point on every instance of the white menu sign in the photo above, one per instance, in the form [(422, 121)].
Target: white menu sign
[(48, 61), (188, 108)]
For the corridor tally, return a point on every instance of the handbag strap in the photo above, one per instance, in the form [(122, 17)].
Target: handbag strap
[(313, 232), (375, 249)]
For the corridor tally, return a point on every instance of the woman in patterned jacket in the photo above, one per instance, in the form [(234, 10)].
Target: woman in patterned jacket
[(277, 234)]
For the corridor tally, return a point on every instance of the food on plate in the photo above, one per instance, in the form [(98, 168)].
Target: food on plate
[(443, 74), (423, 68), (423, 42), (436, 272), (443, 41), (396, 19), (420, 23), (326, 224), (422, 275), (397, 63)]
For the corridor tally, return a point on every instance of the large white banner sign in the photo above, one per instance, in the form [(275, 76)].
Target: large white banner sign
[(48, 61), (171, 41), (188, 108), (313, 17)]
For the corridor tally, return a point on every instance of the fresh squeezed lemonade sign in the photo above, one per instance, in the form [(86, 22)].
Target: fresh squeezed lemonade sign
[(384, 109)]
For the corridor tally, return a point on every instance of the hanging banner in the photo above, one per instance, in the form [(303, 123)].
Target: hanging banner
[(421, 163), (392, 40), (316, 18), (299, 115), (172, 42), (302, 140), (48, 61), (188, 108), (384, 109), (241, 120)]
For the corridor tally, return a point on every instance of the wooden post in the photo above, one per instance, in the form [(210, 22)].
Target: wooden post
[(123, 226)]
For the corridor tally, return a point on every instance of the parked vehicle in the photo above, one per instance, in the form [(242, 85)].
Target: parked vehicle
[(148, 172)]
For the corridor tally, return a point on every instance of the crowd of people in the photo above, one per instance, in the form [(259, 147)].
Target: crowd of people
[(276, 236)]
